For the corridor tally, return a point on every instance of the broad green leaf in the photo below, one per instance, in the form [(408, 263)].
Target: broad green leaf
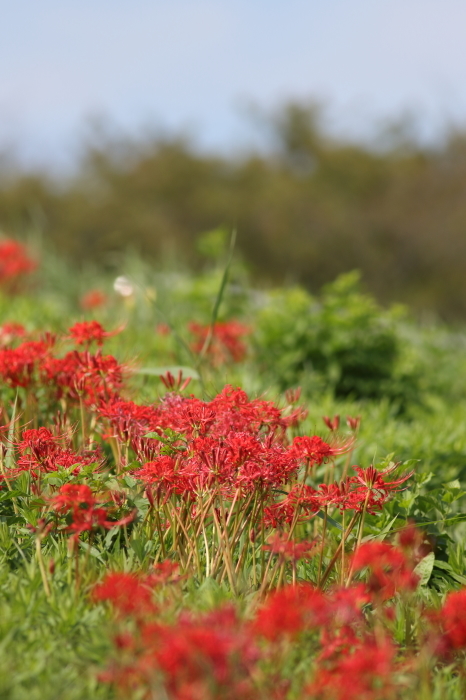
[(439, 564), (159, 371), (424, 568)]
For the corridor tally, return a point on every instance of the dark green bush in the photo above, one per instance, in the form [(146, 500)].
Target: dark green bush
[(343, 341)]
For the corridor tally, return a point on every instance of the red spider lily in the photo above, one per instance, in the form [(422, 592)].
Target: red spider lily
[(345, 621), (313, 450), (163, 329), (293, 395), (290, 550), (165, 572), (277, 515), (236, 411), (414, 542), (450, 625), (293, 419), (129, 594), (373, 479), (226, 342), (93, 299), (209, 657), (14, 264), (353, 423), (231, 410), (289, 611), (367, 673), (304, 497), (10, 332), (73, 496), (162, 475), (345, 604), (178, 384), (88, 332), (332, 423), (40, 452), (129, 419), (237, 461), (346, 495), (95, 378), (390, 570), (19, 366), (85, 513), (329, 495)]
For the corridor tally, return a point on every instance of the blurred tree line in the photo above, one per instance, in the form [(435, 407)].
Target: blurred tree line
[(305, 211)]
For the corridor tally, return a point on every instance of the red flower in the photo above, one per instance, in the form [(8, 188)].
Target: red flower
[(451, 620), (290, 550), (14, 264), (10, 331), (86, 515), (87, 332), (40, 452), (128, 593), (374, 490), (207, 658), (373, 479), (165, 572), (365, 674), (289, 611), (95, 378), (390, 570), (332, 423), (171, 383), (93, 299), (19, 366), (225, 343), (314, 450), (73, 496)]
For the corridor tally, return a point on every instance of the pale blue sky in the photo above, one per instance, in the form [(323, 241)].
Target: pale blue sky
[(193, 63)]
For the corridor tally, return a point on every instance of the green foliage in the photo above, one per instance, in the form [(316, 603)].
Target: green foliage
[(351, 357), (342, 340), (309, 209)]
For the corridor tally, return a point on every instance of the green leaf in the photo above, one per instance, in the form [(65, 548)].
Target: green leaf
[(7, 495), (159, 371), (93, 551), (439, 564), (424, 568), (330, 521), (155, 436), (138, 547)]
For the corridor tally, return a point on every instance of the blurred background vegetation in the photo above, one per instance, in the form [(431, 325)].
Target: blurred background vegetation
[(306, 209)]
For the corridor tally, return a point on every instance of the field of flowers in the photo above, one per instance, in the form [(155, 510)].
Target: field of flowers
[(213, 492)]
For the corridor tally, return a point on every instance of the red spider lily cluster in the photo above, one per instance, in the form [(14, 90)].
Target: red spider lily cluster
[(9, 332), (89, 332), (223, 480), (15, 265), (85, 512), (298, 642), (78, 375), (224, 342), (226, 469), (228, 489), (40, 452)]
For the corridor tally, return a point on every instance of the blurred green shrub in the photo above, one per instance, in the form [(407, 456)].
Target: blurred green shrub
[(343, 341), (309, 208)]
